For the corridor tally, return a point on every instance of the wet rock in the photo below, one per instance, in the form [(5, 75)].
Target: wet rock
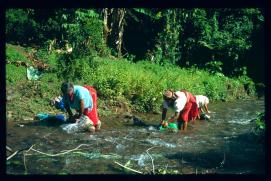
[(204, 117), (138, 122), (152, 128), (28, 119), (120, 147), (20, 125), (128, 115)]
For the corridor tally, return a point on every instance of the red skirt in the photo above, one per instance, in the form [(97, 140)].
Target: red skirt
[(190, 110), (93, 114)]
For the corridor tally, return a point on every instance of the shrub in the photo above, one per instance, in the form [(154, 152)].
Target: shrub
[(85, 34), (259, 126), (74, 69), (49, 58), (141, 84)]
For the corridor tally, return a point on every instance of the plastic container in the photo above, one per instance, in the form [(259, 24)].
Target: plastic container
[(173, 126)]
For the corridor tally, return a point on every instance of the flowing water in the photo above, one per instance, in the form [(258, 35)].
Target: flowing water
[(224, 144)]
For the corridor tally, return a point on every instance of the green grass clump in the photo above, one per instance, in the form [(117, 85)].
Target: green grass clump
[(15, 74), (50, 58), (16, 53)]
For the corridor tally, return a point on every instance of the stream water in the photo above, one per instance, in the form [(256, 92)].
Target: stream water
[(224, 144)]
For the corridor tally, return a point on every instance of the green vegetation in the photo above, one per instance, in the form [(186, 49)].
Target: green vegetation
[(14, 53), (139, 85), (201, 50), (260, 124), (227, 39), (15, 74), (131, 55)]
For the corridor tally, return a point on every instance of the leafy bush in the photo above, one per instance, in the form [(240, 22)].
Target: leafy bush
[(85, 33), (260, 126), (141, 84), (214, 67), (249, 85), (260, 121), (50, 58), (18, 25), (73, 69)]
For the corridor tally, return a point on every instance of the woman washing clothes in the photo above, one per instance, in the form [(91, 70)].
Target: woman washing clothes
[(84, 100), (184, 105)]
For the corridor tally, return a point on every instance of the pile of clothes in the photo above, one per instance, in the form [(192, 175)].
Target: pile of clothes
[(46, 117)]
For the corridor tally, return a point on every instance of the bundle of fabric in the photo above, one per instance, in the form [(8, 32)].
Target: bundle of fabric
[(81, 125), (44, 117)]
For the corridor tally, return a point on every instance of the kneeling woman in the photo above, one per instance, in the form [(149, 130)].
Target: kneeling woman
[(84, 100), (185, 107)]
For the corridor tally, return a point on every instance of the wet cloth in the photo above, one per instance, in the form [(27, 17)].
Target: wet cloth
[(83, 124), (80, 93), (57, 117), (32, 73)]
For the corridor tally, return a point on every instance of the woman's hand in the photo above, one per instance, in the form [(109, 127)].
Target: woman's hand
[(171, 120), (164, 123), (77, 116), (71, 119)]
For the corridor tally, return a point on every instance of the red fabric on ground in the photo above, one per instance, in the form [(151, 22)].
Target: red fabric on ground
[(93, 114), (190, 110)]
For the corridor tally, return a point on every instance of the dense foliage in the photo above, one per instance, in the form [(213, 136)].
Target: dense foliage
[(219, 40), (260, 126), (139, 85)]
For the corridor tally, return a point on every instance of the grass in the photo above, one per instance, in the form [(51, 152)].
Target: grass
[(142, 84), (15, 74), (16, 53), (139, 85)]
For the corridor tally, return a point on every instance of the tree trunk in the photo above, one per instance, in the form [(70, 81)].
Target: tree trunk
[(113, 21), (121, 14), (106, 30)]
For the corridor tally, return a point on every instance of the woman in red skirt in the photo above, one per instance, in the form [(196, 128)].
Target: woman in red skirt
[(84, 100), (185, 107)]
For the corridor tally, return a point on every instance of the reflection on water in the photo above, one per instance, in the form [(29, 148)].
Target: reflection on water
[(222, 145)]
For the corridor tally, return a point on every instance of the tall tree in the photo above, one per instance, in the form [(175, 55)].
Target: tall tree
[(113, 21)]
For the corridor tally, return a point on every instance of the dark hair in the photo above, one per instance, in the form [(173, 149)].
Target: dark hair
[(66, 86)]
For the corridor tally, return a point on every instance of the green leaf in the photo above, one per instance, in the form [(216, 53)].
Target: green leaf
[(148, 12)]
